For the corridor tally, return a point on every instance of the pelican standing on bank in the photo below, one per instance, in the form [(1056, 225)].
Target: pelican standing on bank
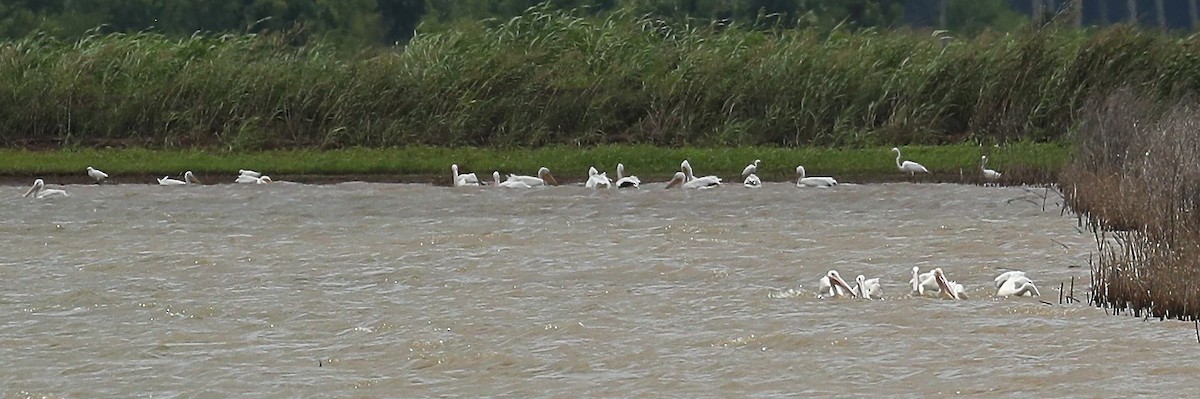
[(832, 285), (544, 178), (908, 166), (1015, 283), (508, 183), (815, 181), (468, 179), (988, 174), (626, 181), (96, 174), (39, 191), (596, 179)]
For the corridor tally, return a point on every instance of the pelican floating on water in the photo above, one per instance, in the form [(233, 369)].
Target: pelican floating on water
[(247, 179), (248, 172), (752, 181), (1015, 283), (596, 179), (626, 181), (988, 174), (923, 283), (508, 183), (680, 180), (908, 166), (96, 174), (832, 285), (39, 191), (949, 289), (815, 181), (691, 181), (751, 168), (544, 178), (188, 178), (468, 179), (867, 288)]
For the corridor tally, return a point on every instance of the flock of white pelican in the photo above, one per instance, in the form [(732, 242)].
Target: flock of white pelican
[(931, 284), (596, 179)]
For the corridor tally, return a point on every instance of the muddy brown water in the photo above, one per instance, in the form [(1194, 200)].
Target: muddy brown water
[(413, 290)]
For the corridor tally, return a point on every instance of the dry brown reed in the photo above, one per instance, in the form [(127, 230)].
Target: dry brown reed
[(1136, 183)]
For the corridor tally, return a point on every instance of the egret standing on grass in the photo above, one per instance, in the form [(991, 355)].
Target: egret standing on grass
[(96, 174), (908, 166), (988, 174)]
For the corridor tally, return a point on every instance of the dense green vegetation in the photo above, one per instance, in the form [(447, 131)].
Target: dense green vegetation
[(1021, 162), (553, 78)]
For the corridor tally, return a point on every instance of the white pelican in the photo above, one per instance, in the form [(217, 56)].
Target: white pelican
[(247, 179), (248, 172), (988, 174), (544, 178), (264, 180), (39, 191), (814, 181), (691, 181), (188, 178), (923, 283), (467, 179), (96, 174), (1015, 283), (867, 288), (680, 180), (949, 289), (626, 181), (751, 168), (508, 183), (832, 285), (596, 179), (908, 166), (752, 181)]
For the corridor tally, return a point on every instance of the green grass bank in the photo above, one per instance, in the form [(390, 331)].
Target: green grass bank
[(1021, 162), (551, 78)]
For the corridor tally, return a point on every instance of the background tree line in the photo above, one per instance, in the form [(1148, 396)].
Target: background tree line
[(367, 22)]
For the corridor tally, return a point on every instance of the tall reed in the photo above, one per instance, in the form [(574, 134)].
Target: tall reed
[(551, 77)]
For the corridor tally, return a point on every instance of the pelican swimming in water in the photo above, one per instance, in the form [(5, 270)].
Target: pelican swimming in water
[(39, 191), (751, 168), (832, 285), (691, 181), (247, 179), (988, 174), (923, 283), (96, 174), (908, 166), (544, 178), (188, 178), (680, 180), (1015, 283), (815, 181), (626, 181), (508, 183), (752, 181), (467, 179), (867, 288), (949, 289), (596, 179), (248, 172)]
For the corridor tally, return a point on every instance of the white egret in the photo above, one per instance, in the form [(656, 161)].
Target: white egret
[(908, 166), (96, 174)]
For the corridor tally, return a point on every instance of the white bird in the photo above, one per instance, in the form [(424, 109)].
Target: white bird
[(544, 178), (923, 283), (908, 166), (949, 289), (96, 174), (188, 178), (691, 181), (832, 285), (248, 172), (596, 179), (247, 179), (468, 179), (680, 180), (1015, 283), (752, 181), (264, 180), (815, 181), (989, 174), (39, 191), (508, 183), (751, 168), (867, 288), (626, 181)]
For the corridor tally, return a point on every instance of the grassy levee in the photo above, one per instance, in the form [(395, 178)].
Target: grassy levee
[(1136, 182), (1021, 162), (550, 78)]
